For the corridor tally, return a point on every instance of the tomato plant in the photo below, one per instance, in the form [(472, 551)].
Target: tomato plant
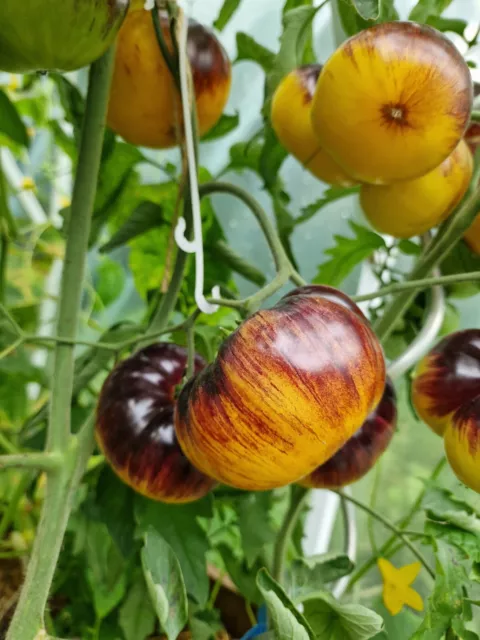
[(235, 280)]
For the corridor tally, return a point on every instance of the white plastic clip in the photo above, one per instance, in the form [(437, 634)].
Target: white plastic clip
[(196, 245)]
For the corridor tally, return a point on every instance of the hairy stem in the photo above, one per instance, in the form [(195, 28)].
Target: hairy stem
[(39, 461), (61, 486), (389, 525), (297, 501), (418, 285), (449, 234)]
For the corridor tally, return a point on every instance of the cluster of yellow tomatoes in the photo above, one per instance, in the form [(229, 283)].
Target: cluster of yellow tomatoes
[(388, 111)]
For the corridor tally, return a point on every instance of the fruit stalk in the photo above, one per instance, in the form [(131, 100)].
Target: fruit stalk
[(28, 619), (450, 233)]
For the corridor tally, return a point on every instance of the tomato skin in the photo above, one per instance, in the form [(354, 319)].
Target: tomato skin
[(135, 427), (287, 390), (145, 106), (360, 453), (392, 102), (57, 35), (447, 378)]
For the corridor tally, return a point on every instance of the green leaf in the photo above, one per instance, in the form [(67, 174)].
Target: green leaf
[(333, 620), (136, 615), (225, 125), (223, 252), (245, 155), (367, 9), (10, 122), (165, 583), (409, 248), (114, 507), (356, 15), (330, 195), (228, 9), (347, 254), (249, 49), (179, 527), (288, 623), (145, 217), (110, 280), (458, 626), (293, 41), (71, 99), (106, 570), (272, 157), (204, 625), (255, 526), (440, 505), (309, 575), (242, 576), (445, 603), (455, 25), (426, 8)]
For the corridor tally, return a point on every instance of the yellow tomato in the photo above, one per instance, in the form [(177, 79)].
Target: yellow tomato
[(462, 444), (145, 107), (392, 102), (410, 208), (291, 121)]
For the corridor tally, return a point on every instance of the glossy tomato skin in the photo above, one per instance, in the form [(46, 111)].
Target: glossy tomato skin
[(288, 388), (135, 426), (56, 35), (360, 453), (329, 293), (462, 443), (447, 378), (145, 106)]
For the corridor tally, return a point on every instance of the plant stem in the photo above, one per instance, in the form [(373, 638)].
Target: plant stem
[(40, 461), (475, 116), (297, 500), (61, 486), (449, 234), (190, 352), (417, 285), (392, 527), (386, 549), (3, 265)]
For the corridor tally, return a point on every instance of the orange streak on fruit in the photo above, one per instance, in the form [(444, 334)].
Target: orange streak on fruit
[(462, 444), (392, 102)]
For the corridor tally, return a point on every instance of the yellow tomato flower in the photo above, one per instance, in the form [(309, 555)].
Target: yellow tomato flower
[(28, 184), (397, 591), (13, 82)]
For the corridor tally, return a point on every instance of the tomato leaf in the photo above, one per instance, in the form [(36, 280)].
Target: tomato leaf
[(106, 571), (426, 8), (165, 583), (445, 603), (109, 281), (10, 122), (308, 575), (225, 125), (356, 15), (330, 195), (147, 216), (455, 25), (178, 525), (367, 9), (242, 576), (136, 615), (347, 254), (249, 49), (254, 510), (331, 619), (227, 10), (287, 622), (461, 260)]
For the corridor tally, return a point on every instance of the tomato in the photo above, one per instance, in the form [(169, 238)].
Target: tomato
[(294, 95), (360, 453), (145, 107), (392, 102), (288, 388), (57, 35), (410, 208), (135, 430)]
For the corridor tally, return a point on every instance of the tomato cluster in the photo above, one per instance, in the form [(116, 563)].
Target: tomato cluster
[(446, 395), (387, 111), (287, 390)]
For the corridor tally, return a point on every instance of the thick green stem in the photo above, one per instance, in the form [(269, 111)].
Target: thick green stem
[(28, 619), (297, 501), (418, 285), (450, 233)]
